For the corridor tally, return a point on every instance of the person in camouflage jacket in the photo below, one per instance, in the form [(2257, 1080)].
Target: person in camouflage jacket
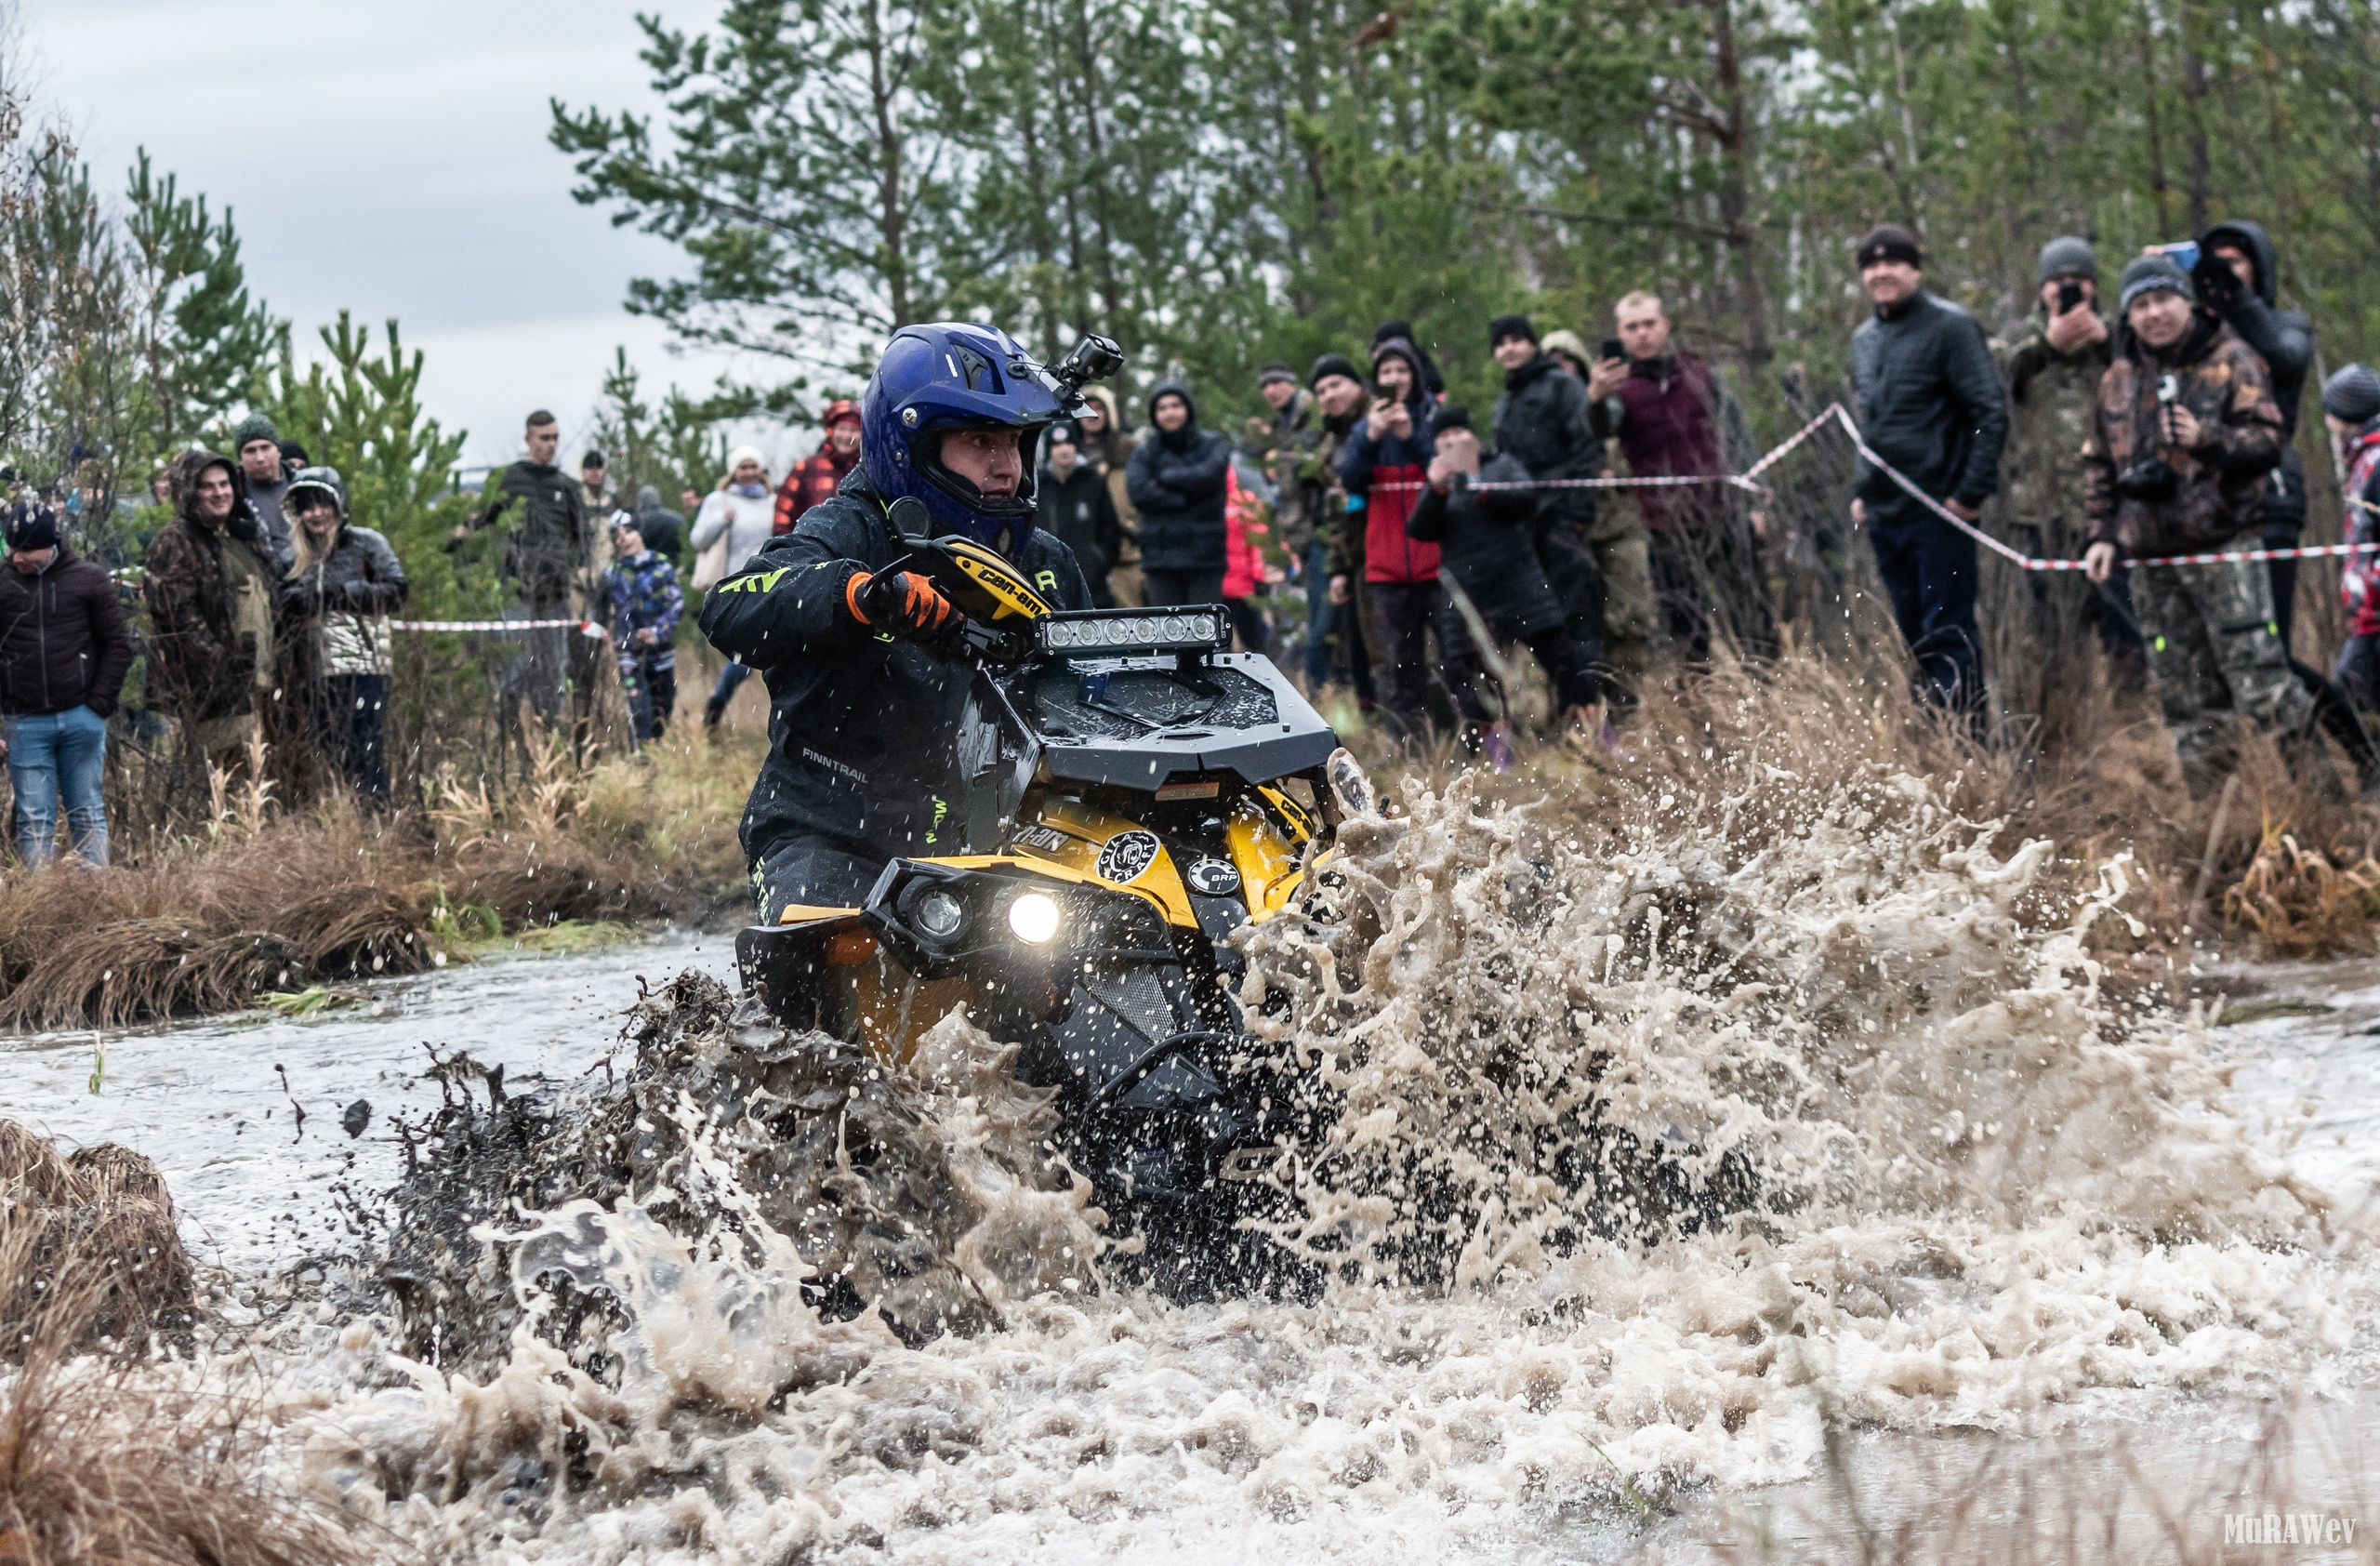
[(2187, 428), (2052, 362)]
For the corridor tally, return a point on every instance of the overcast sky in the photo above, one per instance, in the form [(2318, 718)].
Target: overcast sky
[(393, 160)]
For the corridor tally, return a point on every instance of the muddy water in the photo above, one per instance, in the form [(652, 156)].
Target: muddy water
[(2026, 1238)]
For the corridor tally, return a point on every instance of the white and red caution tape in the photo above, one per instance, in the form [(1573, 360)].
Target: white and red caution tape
[(585, 627), (1837, 412)]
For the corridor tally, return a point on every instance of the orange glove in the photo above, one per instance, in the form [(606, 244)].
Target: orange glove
[(898, 603)]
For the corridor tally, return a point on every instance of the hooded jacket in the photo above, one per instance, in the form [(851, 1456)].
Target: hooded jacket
[(2285, 339), (1383, 479), (862, 728), (345, 598), (1112, 455), (1930, 405), (1542, 422), (63, 640), (1176, 481), (210, 591), (2221, 380)]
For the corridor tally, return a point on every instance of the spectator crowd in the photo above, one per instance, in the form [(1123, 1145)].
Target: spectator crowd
[(1377, 537)]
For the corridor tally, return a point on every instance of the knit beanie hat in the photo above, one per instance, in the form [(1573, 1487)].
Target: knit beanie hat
[(1510, 326), (2068, 257), (1889, 241), (2149, 273), (33, 526), (291, 452), (593, 459), (2353, 395), (1060, 433), (1330, 365), (648, 499), (1451, 416), (1275, 371), (255, 427)]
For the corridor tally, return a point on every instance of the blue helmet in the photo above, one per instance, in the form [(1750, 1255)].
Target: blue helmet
[(946, 376)]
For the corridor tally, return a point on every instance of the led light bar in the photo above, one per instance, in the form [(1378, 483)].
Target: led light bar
[(1091, 633)]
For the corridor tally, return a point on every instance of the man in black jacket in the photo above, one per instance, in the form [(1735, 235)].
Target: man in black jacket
[(64, 651), (1076, 505), (548, 546), (1176, 483), (1932, 409)]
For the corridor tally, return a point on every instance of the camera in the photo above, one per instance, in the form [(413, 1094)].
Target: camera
[(2151, 479), (1092, 358)]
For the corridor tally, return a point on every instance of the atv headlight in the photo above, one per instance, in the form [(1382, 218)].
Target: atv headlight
[(1033, 917), (938, 915), (1117, 633)]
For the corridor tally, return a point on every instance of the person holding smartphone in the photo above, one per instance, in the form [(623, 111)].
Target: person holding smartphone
[(1673, 414), (2052, 362)]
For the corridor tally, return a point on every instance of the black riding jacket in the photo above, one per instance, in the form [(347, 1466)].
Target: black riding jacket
[(860, 725)]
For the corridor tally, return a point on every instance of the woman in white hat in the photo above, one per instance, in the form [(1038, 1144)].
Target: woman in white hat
[(741, 512)]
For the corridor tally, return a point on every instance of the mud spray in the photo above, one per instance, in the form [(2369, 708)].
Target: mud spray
[(1659, 1148)]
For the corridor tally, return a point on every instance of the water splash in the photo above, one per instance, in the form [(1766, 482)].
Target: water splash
[(1662, 1145)]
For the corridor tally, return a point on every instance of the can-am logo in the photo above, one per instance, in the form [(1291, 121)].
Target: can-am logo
[(2287, 1528)]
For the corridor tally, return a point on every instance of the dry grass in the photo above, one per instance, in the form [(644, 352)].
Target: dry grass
[(268, 902), (119, 1460), (2304, 902), (2097, 775), (96, 1228)]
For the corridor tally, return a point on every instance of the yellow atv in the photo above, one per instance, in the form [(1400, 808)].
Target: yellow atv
[(1129, 792)]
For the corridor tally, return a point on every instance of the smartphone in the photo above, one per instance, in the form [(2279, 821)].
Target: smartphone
[(2069, 297), (2182, 253), (1612, 349)]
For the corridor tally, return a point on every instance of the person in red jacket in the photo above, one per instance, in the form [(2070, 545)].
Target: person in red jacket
[(818, 475), (1383, 472)]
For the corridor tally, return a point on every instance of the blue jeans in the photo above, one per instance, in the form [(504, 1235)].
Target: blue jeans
[(1321, 616), (55, 754), (730, 679), (1930, 574)]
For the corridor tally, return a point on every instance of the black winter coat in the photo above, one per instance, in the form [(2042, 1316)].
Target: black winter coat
[(1542, 421), (63, 639), (860, 725), (2285, 339), (1930, 404), (1487, 542), (1081, 512), (550, 536), (1176, 483)]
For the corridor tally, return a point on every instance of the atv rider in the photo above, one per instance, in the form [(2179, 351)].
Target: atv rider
[(865, 688)]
